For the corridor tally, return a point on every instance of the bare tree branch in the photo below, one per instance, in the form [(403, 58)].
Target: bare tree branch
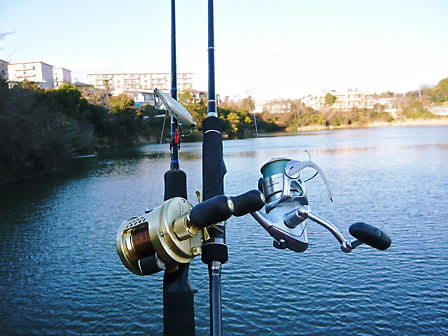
[(3, 35)]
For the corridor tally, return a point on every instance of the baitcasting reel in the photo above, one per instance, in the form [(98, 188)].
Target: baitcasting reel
[(173, 233), (287, 209)]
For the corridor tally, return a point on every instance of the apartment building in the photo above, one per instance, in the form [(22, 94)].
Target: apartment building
[(45, 75), (133, 83), (61, 75), (277, 106), (3, 69), (37, 72), (345, 100), (144, 98)]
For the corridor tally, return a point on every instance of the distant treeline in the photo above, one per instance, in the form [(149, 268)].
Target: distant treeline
[(237, 116), (240, 119), (411, 105), (40, 130)]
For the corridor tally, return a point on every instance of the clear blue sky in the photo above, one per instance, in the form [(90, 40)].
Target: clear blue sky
[(267, 49)]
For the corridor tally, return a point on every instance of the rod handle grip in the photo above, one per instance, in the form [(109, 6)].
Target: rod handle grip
[(248, 202), (370, 235), (220, 208)]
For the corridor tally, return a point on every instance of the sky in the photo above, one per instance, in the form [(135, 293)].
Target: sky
[(264, 49)]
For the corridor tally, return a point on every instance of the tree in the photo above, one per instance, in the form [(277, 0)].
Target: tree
[(247, 104), (120, 103), (186, 97), (29, 85), (439, 94), (330, 99), (68, 99), (3, 35), (197, 108), (234, 120)]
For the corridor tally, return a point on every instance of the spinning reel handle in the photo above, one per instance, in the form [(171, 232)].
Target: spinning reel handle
[(221, 208), (364, 233), (370, 235)]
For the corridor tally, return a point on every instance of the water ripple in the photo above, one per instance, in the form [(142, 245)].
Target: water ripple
[(60, 273)]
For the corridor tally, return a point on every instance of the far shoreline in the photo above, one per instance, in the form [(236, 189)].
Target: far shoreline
[(394, 123)]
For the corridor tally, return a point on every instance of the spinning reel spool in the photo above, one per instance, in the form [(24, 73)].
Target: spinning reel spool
[(285, 190)]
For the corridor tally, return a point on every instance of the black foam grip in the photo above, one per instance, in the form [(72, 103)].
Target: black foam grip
[(211, 211), (175, 184), (179, 314), (213, 166), (370, 235), (214, 251), (248, 202), (178, 303)]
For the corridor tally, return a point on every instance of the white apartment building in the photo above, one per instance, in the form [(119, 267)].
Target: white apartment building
[(37, 72), (277, 106), (133, 83), (345, 100), (3, 69), (61, 75), (144, 98)]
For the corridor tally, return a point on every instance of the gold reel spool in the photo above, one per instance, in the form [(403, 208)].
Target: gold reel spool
[(161, 238)]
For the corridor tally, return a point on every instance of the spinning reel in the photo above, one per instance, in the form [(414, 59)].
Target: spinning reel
[(287, 209)]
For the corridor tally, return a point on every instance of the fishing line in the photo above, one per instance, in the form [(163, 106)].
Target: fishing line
[(315, 174), (161, 134)]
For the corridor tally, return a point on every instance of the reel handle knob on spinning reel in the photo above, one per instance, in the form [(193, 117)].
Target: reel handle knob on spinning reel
[(364, 233), (370, 235)]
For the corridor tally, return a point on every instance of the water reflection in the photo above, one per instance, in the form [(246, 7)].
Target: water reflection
[(60, 273)]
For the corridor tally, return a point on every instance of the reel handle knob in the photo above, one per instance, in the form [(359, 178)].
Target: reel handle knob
[(370, 235), (211, 211), (220, 208)]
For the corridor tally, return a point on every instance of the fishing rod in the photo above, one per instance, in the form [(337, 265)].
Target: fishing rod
[(214, 251), (171, 235), (178, 296)]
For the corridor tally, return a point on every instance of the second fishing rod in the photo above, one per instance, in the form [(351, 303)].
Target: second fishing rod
[(214, 251)]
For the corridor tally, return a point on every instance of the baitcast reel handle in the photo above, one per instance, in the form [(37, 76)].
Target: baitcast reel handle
[(220, 208)]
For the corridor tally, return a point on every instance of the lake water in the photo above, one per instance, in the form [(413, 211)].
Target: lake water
[(60, 273)]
